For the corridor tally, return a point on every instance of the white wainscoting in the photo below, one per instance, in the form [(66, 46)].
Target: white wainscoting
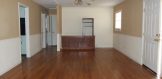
[(35, 44), (130, 46), (10, 54), (10, 51), (59, 42)]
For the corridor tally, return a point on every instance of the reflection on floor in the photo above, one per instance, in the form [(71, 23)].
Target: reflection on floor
[(98, 64)]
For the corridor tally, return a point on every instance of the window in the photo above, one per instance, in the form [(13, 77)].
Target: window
[(118, 20)]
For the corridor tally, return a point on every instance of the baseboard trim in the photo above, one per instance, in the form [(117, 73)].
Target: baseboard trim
[(37, 53), (11, 69), (104, 48), (154, 73)]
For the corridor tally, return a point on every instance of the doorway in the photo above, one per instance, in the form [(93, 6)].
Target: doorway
[(24, 30), (151, 36), (52, 34), (44, 30), (49, 34)]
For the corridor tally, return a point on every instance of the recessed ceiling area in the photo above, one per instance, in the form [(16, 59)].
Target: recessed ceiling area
[(70, 3), (46, 3), (105, 3)]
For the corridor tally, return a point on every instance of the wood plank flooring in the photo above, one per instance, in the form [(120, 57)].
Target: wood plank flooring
[(98, 64)]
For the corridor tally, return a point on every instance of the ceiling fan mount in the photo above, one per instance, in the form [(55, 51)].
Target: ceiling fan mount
[(82, 2)]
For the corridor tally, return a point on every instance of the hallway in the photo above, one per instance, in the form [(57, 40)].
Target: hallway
[(101, 64)]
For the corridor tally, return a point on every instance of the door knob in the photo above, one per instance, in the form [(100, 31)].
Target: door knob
[(158, 35), (157, 40)]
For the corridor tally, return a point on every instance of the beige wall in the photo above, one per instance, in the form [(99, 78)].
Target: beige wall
[(131, 17), (59, 19), (52, 11), (9, 21)]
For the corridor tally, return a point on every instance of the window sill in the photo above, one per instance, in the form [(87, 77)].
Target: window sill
[(117, 30)]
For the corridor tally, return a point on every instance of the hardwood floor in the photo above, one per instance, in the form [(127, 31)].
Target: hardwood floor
[(101, 64)]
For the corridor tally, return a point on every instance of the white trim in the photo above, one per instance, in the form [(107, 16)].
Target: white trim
[(143, 31), (118, 29), (26, 27), (159, 71)]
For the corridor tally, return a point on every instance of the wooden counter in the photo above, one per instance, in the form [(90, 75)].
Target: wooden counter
[(78, 42)]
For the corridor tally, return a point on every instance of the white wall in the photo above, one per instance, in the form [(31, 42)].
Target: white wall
[(103, 23), (10, 54), (129, 45)]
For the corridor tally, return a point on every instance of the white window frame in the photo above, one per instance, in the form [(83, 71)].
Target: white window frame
[(118, 20)]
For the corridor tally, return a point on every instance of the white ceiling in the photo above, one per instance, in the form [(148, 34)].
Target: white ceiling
[(46, 3), (70, 3)]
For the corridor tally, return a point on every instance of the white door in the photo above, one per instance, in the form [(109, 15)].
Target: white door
[(151, 33), (43, 30), (53, 30)]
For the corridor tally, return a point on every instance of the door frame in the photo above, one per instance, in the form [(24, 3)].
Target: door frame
[(27, 28), (159, 64), (160, 45)]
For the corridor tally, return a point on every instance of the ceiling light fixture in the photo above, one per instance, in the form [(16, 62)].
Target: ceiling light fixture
[(83, 2), (78, 2)]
